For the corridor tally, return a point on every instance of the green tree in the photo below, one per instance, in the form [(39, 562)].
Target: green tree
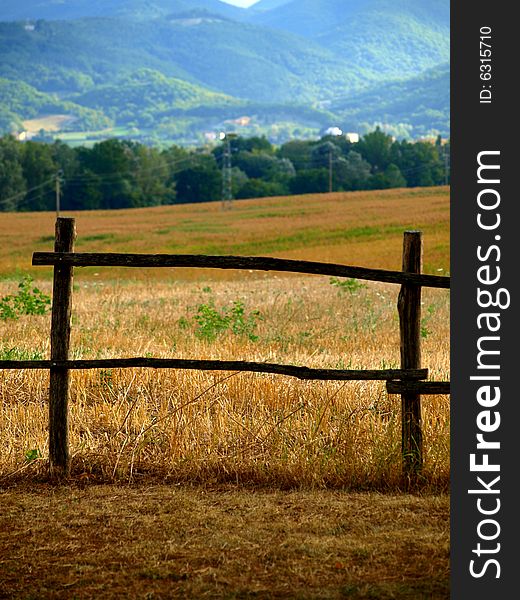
[(419, 162), (310, 181), (351, 173), (200, 183), (39, 170), (341, 141), (114, 163), (252, 144), (151, 178), (67, 163), (85, 193), (323, 154), (390, 178), (257, 188), (238, 180), (298, 152), (257, 165), (12, 181), (375, 147)]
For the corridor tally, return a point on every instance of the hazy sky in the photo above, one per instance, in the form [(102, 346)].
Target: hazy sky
[(241, 2)]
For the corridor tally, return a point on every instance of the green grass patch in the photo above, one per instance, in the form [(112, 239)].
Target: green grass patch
[(45, 239), (203, 227), (98, 237), (304, 238)]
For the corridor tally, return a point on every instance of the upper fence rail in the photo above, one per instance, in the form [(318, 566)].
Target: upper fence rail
[(257, 263)]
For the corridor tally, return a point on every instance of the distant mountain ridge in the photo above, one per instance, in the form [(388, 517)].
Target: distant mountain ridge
[(268, 4), (16, 10), (396, 38), (401, 106), (337, 61), (246, 61)]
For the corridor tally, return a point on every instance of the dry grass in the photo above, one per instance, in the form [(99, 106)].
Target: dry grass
[(48, 123), (211, 426), (362, 228), (159, 542)]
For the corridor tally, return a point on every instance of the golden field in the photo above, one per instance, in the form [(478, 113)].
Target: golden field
[(356, 228), (212, 444), (190, 424)]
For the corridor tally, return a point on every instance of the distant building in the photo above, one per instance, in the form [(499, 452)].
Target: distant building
[(433, 140), (353, 138)]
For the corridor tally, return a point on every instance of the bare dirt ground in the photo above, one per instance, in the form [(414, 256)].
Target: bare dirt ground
[(154, 542)]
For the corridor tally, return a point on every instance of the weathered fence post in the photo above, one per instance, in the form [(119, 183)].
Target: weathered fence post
[(409, 308), (59, 463)]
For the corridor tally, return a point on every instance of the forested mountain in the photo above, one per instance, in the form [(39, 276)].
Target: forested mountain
[(245, 61), (406, 105), (379, 37), (16, 10), (18, 98), (177, 70)]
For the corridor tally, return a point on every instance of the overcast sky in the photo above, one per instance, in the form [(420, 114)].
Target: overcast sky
[(241, 2)]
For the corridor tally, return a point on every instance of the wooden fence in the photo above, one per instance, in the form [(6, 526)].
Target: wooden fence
[(409, 380)]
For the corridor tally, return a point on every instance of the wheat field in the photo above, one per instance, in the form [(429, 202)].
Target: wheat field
[(133, 424)]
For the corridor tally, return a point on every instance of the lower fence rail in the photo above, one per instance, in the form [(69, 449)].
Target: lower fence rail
[(420, 387), (222, 365)]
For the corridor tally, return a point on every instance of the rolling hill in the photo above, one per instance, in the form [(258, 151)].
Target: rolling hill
[(401, 107), (147, 90), (291, 65), (246, 61), (380, 37), (19, 101)]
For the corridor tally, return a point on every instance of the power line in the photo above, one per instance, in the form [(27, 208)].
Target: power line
[(26, 202), (26, 192)]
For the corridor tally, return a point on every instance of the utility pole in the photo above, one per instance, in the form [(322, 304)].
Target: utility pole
[(446, 164), (58, 192), (330, 171), (227, 174)]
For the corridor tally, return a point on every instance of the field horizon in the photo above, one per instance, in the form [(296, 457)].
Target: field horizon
[(357, 228)]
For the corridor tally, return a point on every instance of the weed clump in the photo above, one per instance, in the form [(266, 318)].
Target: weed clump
[(29, 300), (211, 322)]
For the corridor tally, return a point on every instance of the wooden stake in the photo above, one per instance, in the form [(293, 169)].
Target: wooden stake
[(409, 307), (59, 462)]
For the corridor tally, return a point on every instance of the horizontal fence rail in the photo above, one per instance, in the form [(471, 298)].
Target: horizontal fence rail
[(420, 387), (222, 365), (258, 263)]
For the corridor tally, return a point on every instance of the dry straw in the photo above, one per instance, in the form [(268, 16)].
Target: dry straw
[(173, 425)]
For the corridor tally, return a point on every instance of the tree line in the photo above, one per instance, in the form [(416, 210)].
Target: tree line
[(124, 174)]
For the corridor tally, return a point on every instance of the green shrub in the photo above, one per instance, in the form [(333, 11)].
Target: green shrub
[(350, 285), (430, 311), (19, 354), (211, 322), (28, 301)]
